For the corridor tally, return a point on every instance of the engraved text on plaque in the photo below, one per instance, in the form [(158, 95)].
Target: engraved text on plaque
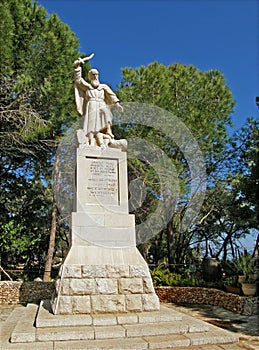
[(102, 181)]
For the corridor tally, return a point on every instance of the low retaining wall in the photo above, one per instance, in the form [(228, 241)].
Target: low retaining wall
[(12, 292), (209, 296)]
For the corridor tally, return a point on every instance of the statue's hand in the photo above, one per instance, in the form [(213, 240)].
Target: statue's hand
[(77, 63), (119, 107)]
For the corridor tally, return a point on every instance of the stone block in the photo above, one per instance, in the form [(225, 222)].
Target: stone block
[(117, 271), (106, 286), (65, 333), (133, 302), (64, 304), (139, 271), (148, 285), (72, 271), (81, 304), (155, 329), (100, 271), (130, 285), (102, 344), (82, 286), (107, 332), (88, 271), (64, 286), (129, 318), (176, 341), (150, 302), (104, 319), (93, 271), (108, 303), (213, 337)]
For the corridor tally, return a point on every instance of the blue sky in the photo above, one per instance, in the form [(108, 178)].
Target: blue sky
[(210, 34)]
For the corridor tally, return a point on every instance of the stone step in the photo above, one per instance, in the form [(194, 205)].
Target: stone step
[(45, 317), (171, 341), (151, 342), (24, 331), (185, 332)]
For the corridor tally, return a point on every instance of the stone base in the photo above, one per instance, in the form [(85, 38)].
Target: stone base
[(162, 329), (104, 280)]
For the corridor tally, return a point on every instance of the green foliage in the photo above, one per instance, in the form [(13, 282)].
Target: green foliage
[(36, 107), (162, 276), (36, 74), (204, 102), (200, 99), (246, 267), (25, 214), (244, 171), (12, 239)]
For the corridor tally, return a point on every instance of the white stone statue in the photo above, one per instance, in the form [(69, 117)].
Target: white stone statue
[(94, 101)]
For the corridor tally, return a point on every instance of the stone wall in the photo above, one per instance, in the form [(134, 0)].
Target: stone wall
[(12, 292), (22, 292), (209, 296)]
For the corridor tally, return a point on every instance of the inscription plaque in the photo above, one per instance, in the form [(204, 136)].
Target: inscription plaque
[(102, 181)]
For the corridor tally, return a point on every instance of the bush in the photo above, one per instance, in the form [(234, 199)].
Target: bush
[(162, 276)]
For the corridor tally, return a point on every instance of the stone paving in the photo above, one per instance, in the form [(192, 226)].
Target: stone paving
[(244, 327)]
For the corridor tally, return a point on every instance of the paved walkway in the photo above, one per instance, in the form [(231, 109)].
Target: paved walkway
[(246, 327)]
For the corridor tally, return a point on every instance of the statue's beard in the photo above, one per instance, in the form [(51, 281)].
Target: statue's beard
[(95, 83)]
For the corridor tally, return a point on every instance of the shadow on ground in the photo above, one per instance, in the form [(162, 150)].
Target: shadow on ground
[(220, 317)]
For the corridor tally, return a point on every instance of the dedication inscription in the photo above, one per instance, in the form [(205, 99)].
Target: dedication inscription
[(102, 181)]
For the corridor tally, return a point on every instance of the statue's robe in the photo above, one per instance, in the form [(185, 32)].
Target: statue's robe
[(93, 104)]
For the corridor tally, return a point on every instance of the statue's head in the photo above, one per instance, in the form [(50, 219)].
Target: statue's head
[(93, 76)]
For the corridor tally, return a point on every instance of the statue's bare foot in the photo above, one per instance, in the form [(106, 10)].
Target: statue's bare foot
[(109, 133)]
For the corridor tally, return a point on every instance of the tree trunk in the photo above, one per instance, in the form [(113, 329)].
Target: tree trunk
[(52, 236)]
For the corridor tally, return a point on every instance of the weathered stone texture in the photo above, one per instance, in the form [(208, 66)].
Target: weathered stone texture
[(73, 271), (130, 285), (65, 304), (138, 271), (134, 302), (150, 302), (117, 271), (108, 303), (81, 286), (110, 287), (106, 286), (209, 296), (81, 304), (148, 285)]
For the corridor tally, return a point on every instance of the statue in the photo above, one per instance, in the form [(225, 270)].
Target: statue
[(94, 101)]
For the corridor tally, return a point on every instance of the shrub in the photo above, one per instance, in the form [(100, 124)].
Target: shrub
[(162, 276)]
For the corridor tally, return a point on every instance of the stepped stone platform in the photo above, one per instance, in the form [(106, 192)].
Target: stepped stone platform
[(37, 328)]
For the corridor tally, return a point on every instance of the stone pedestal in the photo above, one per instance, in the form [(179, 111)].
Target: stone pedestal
[(103, 271)]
